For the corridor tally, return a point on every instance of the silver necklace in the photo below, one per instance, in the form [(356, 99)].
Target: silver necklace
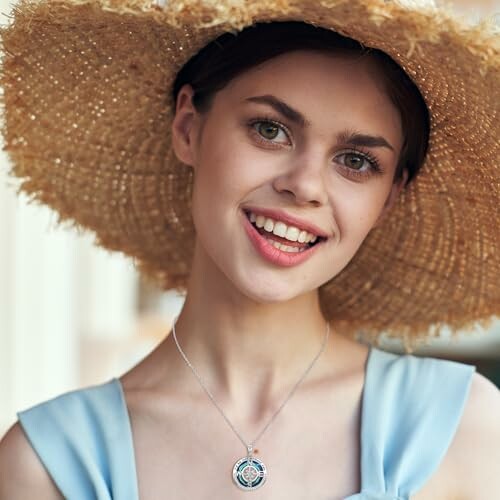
[(249, 473)]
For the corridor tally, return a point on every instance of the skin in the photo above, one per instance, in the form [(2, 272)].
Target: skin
[(245, 317), (303, 174)]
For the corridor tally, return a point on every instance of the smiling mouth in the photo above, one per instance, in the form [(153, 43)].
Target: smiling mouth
[(285, 237)]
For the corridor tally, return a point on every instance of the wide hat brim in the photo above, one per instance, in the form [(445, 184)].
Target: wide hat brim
[(87, 113)]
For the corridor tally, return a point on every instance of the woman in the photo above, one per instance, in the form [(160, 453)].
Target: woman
[(299, 144)]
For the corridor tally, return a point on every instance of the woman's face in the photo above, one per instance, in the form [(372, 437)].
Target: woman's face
[(279, 137)]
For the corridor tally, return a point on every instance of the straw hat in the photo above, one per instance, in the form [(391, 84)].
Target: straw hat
[(87, 113)]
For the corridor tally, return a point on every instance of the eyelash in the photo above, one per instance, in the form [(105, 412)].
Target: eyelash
[(375, 167), (261, 120)]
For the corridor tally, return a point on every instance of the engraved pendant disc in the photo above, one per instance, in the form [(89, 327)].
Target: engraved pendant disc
[(249, 473)]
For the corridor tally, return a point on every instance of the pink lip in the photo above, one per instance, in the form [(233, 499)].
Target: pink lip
[(273, 254), (289, 220)]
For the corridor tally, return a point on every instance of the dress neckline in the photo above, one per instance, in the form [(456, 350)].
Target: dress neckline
[(367, 363)]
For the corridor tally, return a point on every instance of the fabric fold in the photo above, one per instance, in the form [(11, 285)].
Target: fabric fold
[(84, 440), (411, 410)]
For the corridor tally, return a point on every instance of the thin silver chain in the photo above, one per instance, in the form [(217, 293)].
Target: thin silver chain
[(209, 394)]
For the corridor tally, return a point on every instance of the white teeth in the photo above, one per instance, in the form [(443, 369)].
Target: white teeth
[(285, 248), (292, 234), (281, 229), (269, 225)]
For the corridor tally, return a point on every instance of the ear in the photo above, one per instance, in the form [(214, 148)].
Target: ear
[(184, 126), (396, 189)]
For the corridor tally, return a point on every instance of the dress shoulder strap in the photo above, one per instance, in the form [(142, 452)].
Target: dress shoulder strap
[(411, 410), (84, 440)]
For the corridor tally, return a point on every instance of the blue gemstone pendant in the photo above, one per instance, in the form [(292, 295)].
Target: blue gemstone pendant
[(249, 473)]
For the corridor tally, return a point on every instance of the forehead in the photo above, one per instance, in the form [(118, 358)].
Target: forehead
[(328, 89)]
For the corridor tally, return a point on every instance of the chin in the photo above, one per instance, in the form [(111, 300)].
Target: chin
[(271, 290)]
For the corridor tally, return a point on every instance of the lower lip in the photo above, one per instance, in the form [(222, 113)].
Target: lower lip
[(273, 254)]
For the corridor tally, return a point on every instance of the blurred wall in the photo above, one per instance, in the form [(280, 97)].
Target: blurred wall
[(57, 293), (480, 7)]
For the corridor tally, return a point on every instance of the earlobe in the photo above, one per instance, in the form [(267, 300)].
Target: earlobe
[(183, 126), (396, 189)]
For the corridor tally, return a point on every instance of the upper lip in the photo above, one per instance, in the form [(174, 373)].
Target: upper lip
[(289, 220)]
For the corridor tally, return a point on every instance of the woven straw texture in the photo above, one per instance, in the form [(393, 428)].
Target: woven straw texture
[(87, 112)]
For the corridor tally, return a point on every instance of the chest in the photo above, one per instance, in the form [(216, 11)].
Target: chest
[(310, 451)]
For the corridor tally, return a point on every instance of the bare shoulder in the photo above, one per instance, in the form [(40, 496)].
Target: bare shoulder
[(22, 475), (475, 451)]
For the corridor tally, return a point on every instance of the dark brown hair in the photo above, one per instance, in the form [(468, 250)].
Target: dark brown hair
[(231, 54)]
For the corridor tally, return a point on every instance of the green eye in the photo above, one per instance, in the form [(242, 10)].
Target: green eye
[(268, 130), (359, 163), (354, 161)]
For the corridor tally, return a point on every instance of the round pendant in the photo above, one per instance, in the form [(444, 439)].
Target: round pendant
[(249, 473)]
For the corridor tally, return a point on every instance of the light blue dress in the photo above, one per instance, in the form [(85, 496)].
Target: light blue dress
[(411, 408)]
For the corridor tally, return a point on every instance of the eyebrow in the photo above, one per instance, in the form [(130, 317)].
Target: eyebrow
[(369, 141), (346, 137), (282, 108)]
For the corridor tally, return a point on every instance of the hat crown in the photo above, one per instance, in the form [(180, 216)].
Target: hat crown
[(412, 4), (84, 114), (415, 4)]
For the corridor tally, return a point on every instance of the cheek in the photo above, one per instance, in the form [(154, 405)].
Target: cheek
[(213, 167), (221, 175), (357, 212), (229, 163)]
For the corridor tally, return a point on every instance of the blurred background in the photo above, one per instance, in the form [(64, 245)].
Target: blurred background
[(73, 315)]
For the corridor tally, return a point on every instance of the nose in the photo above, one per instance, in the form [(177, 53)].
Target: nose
[(304, 181)]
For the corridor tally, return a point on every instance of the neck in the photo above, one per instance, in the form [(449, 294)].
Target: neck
[(247, 353)]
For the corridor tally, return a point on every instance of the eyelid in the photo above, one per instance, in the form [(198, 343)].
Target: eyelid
[(367, 155), (375, 167), (274, 121)]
